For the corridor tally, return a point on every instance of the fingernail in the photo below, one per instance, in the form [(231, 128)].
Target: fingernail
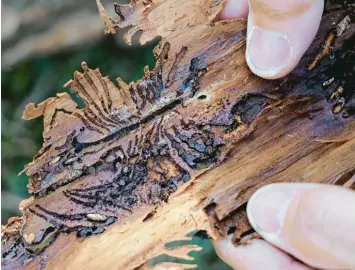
[(267, 208), (268, 51)]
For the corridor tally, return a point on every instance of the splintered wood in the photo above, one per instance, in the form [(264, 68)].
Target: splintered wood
[(182, 149)]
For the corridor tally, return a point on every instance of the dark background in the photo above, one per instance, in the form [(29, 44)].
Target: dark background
[(43, 43)]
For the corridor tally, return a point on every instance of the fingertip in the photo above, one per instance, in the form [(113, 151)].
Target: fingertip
[(269, 54), (234, 9), (227, 252), (253, 255), (268, 206), (279, 33), (309, 221)]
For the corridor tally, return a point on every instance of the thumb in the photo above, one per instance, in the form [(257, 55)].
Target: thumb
[(313, 222), (279, 33)]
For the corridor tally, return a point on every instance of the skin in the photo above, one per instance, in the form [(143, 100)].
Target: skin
[(279, 32), (303, 226)]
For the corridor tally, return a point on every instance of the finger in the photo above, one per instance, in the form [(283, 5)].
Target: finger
[(255, 256), (279, 33), (313, 222), (234, 9)]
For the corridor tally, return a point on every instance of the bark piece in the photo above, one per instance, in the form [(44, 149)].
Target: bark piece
[(183, 148)]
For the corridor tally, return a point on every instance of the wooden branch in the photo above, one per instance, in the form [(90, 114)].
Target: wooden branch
[(182, 149)]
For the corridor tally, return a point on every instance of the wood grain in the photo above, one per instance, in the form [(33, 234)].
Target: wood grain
[(182, 149)]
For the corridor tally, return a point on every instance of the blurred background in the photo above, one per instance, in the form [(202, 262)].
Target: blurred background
[(43, 43)]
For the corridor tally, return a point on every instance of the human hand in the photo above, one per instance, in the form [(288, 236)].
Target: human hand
[(279, 32), (313, 223)]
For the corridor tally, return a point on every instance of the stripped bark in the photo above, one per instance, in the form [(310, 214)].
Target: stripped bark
[(182, 149)]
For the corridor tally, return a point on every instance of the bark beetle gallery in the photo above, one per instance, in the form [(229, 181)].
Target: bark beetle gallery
[(183, 148)]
